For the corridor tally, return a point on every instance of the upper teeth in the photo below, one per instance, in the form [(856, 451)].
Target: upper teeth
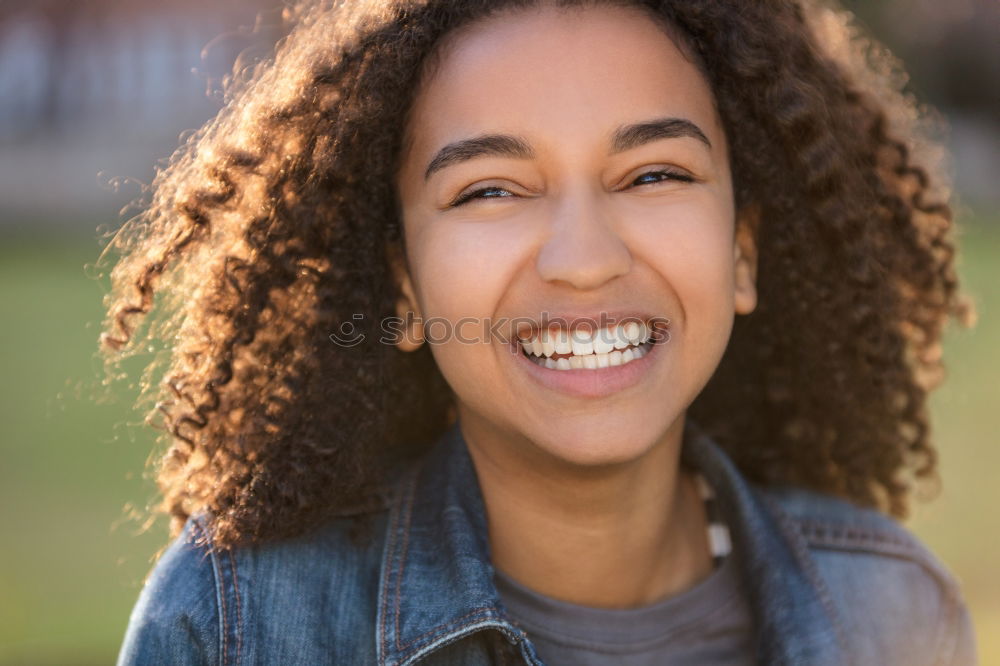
[(584, 343)]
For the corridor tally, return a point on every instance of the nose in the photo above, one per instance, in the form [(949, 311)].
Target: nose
[(583, 249)]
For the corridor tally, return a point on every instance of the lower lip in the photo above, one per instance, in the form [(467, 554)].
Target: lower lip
[(586, 383)]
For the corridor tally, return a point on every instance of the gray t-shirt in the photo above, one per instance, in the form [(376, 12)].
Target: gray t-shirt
[(707, 624)]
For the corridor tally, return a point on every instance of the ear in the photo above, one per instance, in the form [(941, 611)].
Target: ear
[(407, 308), (745, 260)]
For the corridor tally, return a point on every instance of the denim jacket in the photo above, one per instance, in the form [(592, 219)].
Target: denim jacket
[(828, 583)]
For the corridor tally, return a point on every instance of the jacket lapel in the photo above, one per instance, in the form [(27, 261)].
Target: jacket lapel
[(437, 580), (796, 621)]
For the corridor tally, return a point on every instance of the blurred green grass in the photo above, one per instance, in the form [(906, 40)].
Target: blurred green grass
[(68, 466)]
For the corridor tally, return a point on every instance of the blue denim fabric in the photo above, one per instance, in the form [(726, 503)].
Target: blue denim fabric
[(828, 582)]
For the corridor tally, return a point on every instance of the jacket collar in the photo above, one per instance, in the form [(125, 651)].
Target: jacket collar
[(436, 583), (797, 622)]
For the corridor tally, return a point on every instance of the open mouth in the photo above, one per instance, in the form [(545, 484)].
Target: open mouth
[(560, 349)]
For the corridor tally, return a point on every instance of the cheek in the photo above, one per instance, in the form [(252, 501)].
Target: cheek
[(462, 272), (689, 247)]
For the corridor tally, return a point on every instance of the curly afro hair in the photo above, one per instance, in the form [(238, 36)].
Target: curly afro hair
[(271, 226)]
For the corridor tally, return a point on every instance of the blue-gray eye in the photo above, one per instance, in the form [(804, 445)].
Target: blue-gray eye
[(651, 177), (491, 192)]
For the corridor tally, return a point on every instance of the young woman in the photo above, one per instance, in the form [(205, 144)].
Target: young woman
[(548, 332)]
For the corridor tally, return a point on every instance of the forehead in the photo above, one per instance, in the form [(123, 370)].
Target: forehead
[(558, 71)]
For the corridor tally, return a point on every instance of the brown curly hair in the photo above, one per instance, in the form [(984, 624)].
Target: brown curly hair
[(270, 228)]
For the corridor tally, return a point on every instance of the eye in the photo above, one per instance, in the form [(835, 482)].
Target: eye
[(660, 175), (491, 192)]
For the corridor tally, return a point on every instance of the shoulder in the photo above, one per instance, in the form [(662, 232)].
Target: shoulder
[(309, 597), (878, 574), (176, 619)]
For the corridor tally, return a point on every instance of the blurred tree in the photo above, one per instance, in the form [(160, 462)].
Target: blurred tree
[(951, 49)]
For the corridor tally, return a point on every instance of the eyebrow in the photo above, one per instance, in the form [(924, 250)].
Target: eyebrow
[(633, 136), (624, 138)]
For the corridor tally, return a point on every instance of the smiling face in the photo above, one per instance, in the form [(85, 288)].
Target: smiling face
[(570, 164)]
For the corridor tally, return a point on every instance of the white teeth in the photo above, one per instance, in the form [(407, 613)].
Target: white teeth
[(621, 340), (582, 342), (582, 349), (604, 341), (548, 348), (582, 345), (632, 332), (592, 361), (562, 343)]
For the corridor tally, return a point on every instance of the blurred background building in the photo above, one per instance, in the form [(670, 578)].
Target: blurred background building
[(95, 93)]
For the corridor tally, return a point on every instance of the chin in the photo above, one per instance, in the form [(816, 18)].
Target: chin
[(596, 442)]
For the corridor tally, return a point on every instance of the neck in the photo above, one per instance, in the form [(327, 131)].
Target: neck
[(621, 536)]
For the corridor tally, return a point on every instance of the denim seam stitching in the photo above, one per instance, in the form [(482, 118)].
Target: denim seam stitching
[(408, 502), (946, 652), (239, 613), (851, 536), (809, 565), (220, 593), (834, 537), (461, 623), (443, 631), (223, 591), (398, 561), (390, 561)]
